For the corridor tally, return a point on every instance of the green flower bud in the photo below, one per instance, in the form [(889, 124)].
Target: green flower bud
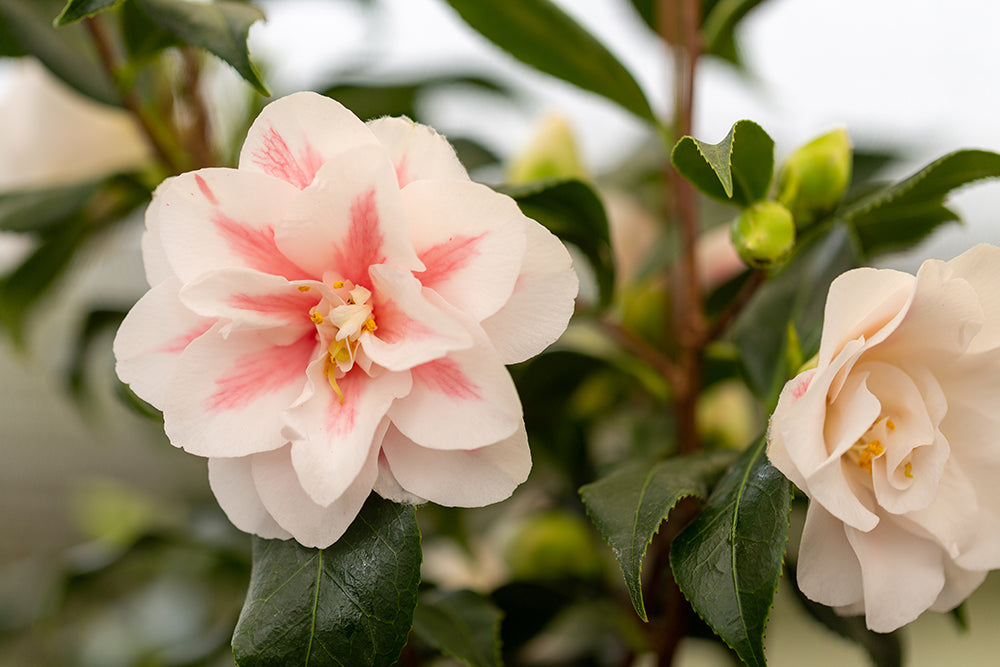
[(554, 545), (815, 177), (764, 234), (551, 153)]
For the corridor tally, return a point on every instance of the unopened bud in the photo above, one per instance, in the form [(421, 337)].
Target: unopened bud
[(551, 153), (764, 234), (815, 177)]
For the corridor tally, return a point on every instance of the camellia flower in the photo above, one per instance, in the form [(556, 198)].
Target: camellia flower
[(334, 317), (893, 436)]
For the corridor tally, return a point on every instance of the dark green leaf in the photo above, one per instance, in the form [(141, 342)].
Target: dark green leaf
[(41, 210), (573, 211), (97, 322), (797, 295), (718, 28), (220, 27), (628, 506), (26, 29), (728, 560), (374, 100), (960, 615), (142, 37), (899, 215), (463, 624), (737, 170), (646, 9), (349, 604), (76, 10), (541, 35), (473, 154)]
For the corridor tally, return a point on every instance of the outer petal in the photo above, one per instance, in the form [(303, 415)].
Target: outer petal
[(388, 486), (233, 485), (542, 302), (228, 395), (828, 570), (471, 240), (217, 218), (150, 341), (294, 136), (350, 218), (417, 151), (154, 257), (463, 478), (958, 585), (980, 266), (338, 438), (310, 524)]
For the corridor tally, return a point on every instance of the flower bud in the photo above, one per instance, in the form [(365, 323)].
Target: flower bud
[(815, 177), (552, 153), (764, 234)]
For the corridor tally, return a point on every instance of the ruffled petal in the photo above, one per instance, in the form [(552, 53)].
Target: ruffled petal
[(387, 486), (958, 585), (828, 571), (980, 267), (462, 478), (233, 485), (471, 240), (542, 301), (151, 339), (417, 151), (228, 395), (294, 136)]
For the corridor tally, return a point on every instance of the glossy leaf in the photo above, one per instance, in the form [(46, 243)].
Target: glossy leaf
[(541, 35), (463, 624), (737, 170), (76, 10), (629, 505), (573, 211), (220, 27), (142, 37), (349, 604), (728, 560), (899, 215)]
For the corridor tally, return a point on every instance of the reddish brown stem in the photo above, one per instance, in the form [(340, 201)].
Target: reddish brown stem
[(200, 125)]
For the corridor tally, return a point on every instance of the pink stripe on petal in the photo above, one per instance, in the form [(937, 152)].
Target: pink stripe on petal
[(340, 417), (276, 159), (363, 246), (293, 305), (394, 325), (256, 247), (254, 375), (445, 258), (205, 190), (444, 376), (180, 343)]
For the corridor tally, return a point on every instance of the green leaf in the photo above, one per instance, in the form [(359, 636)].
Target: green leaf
[(349, 604), (899, 215), (737, 170), (97, 322), (573, 211), (463, 624), (797, 295), (374, 100), (76, 10), (718, 28), (142, 37), (43, 209), (220, 27), (541, 35), (629, 505), (728, 560)]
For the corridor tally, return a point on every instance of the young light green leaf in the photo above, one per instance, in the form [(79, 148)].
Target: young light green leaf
[(349, 604), (728, 560), (629, 505), (737, 170), (899, 215), (220, 27), (463, 624), (573, 211), (541, 35), (81, 9)]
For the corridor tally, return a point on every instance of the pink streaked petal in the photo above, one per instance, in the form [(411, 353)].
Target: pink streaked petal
[(151, 339), (350, 218), (228, 394), (312, 525), (223, 218), (417, 151), (542, 303), (472, 241), (413, 325), (339, 437), (252, 300), (294, 136), (459, 478), (462, 401), (233, 485)]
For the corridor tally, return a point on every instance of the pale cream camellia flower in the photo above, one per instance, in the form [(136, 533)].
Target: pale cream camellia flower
[(895, 438), (334, 317)]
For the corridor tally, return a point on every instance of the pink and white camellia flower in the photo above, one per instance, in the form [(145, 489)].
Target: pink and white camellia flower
[(894, 438), (334, 317)]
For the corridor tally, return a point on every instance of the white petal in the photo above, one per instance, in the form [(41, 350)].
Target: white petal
[(542, 303), (154, 257), (151, 339), (388, 486), (233, 486), (464, 478), (417, 151), (295, 135), (470, 238), (980, 267), (828, 570), (958, 585)]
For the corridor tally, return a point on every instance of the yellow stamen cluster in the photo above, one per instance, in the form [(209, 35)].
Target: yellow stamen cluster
[(908, 470), (871, 450), (343, 325), (316, 317)]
